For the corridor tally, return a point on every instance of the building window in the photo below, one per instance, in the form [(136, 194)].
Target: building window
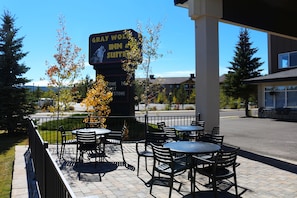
[(286, 60), (281, 96), (293, 59), (283, 60), (280, 99), (269, 100), (292, 96)]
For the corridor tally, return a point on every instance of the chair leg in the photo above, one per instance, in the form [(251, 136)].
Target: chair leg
[(235, 185), (62, 151), (96, 155), (138, 165), (152, 181), (170, 185), (145, 163), (81, 157), (214, 186), (76, 156), (122, 150)]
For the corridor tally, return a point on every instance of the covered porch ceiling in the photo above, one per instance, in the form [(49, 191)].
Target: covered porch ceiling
[(276, 17)]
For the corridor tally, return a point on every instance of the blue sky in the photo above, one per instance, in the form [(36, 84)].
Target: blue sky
[(39, 20)]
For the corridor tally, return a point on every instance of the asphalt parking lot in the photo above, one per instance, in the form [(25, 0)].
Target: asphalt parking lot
[(261, 136)]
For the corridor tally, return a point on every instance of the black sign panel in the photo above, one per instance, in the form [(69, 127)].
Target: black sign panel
[(108, 47)]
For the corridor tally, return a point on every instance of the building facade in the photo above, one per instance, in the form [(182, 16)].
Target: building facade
[(277, 91)]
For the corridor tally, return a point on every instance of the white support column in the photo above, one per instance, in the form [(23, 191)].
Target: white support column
[(206, 14)]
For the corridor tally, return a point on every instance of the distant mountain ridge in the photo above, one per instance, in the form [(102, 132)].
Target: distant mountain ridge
[(42, 88)]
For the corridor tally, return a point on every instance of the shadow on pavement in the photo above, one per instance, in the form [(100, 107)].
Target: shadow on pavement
[(269, 161), (33, 191), (91, 169), (209, 193)]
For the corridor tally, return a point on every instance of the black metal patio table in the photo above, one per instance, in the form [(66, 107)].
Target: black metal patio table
[(191, 148), (98, 131), (187, 129)]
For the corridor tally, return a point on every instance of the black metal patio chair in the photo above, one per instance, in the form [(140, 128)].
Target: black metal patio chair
[(221, 167), (66, 139), (116, 138), (195, 135), (171, 133), (143, 147), (86, 144), (166, 167)]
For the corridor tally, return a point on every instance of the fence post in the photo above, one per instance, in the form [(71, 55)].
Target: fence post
[(45, 146), (145, 125)]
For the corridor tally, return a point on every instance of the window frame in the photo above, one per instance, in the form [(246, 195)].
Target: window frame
[(274, 92), (288, 57)]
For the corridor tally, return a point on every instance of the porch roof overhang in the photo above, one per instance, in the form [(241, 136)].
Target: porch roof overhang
[(284, 76), (276, 17)]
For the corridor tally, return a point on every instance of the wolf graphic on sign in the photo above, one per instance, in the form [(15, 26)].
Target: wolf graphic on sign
[(98, 55)]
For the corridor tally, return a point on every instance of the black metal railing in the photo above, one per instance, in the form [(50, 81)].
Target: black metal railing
[(50, 180), (43, 131), (137, 125)]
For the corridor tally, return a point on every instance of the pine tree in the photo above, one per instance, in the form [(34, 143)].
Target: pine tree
[(244, 66), (13, 96)]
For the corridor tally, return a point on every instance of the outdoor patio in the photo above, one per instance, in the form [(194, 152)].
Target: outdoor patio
[(255, 179)]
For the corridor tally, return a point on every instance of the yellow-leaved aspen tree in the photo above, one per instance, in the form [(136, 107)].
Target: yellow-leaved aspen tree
[(69, 64), (97, 101), (142, 51)]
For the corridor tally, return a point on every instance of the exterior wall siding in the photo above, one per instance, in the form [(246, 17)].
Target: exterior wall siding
[(280, 45)]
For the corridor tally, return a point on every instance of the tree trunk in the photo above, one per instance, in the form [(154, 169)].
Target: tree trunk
[(246, 104)]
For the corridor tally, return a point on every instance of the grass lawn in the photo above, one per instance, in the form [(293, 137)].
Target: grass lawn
[(7, 153)]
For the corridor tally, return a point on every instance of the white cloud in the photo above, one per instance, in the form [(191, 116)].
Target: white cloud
[(40, 83)]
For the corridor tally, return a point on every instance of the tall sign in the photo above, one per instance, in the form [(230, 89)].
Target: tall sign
[(106, 53)]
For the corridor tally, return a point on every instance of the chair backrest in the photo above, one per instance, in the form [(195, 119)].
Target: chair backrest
[(161, 125), (61, 129), (215, 130), (86, 137), (170, 133), (92, 124), (118, 135), (157, 138), (226, 158), (62, 133), (198, 123), (217, 139), (162, 155)]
